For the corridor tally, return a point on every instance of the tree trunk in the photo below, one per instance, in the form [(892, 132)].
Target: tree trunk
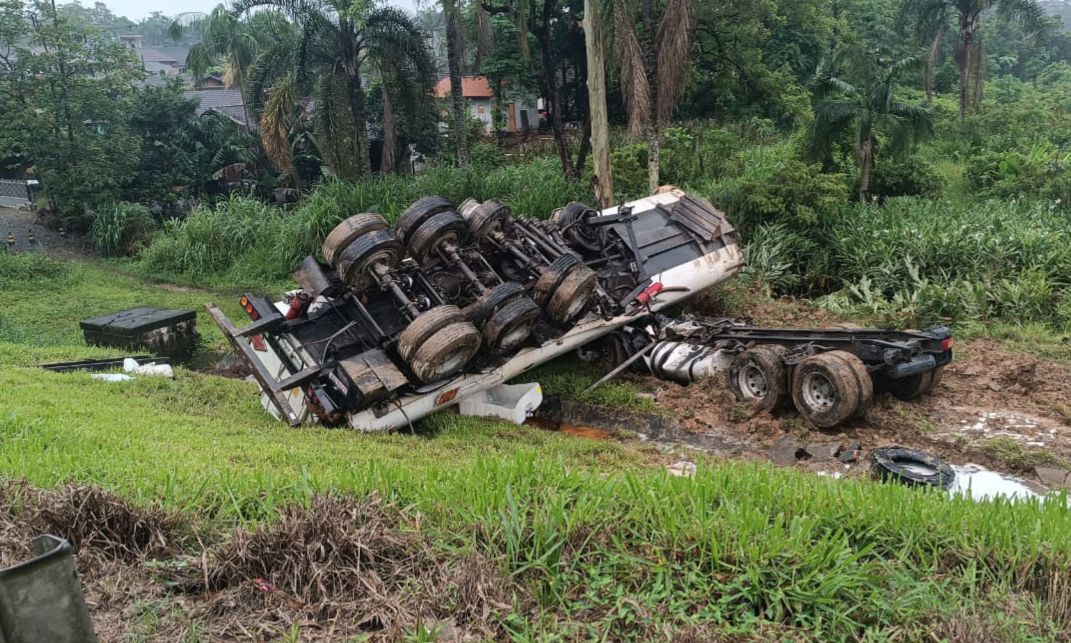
[(554, 92), (653, 129), (867, 162), (969, 24), (457, 97), (390, 151), (360, 123), (600, 123), (929, 75)]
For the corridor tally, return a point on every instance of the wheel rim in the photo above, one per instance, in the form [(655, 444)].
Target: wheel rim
[(575, 307), (818, 392), (753, 382), (451, 364)]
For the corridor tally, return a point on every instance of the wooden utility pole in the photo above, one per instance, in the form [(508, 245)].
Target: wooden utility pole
[(600, 124)]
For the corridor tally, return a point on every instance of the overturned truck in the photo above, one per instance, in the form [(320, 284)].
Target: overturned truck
[(455, 301)]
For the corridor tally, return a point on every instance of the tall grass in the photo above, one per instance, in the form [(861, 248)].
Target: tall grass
[(241, 241)]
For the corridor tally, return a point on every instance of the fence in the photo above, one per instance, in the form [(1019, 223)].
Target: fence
[(14, 193)]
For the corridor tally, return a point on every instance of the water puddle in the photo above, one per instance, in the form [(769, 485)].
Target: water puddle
[(979, 483)]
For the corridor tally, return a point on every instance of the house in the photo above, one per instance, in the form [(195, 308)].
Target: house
[(228, 102), (158, 62), (520, 115), (213, 81)]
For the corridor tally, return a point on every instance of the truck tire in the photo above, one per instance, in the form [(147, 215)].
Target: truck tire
[(577, 233), (347, 232), (488, 217), (831, 388), (570, 298), (913, 467), (378, 246), (759, 375), (426, 325), (509, 327), (418, 213), (912, 387), (444, 227), (551, 276), (480, 310), (445, 353)]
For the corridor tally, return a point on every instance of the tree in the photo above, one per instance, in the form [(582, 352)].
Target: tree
[(654, 53), (340, 40), (454, 45), (867, 112), (594, 34), (68, 87), (930, 16)]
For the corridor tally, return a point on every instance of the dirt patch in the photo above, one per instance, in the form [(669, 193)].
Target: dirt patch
[(1005, 410)]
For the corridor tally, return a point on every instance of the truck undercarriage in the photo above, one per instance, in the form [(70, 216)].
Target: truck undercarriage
[(394, 325)]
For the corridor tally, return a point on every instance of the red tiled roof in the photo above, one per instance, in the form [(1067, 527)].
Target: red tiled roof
[(471, 87)]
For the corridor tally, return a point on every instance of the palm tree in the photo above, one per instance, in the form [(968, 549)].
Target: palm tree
[(654, 55), (454, 55), (931, 16), (339, 41), (865, 111)]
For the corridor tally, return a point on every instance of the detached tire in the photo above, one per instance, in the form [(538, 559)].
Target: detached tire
[(510, 326), (426, 325), (445, 353), (831, 388), (912, 467), (759, 375), (348, 231)]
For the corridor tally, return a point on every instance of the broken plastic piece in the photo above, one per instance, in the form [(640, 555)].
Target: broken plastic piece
[(512, 402)]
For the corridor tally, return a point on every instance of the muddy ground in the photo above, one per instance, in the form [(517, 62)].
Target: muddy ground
[(1000, 409)]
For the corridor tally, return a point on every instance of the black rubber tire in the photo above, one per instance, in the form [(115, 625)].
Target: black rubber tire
[(911, 387), (510, 326), (488, 217), (426, 325), (573, 293), (759, 375), (894, 463), (551, 276), (376, 246), (445, 227), (418, 213), (348, 231), (831, 388), (480, 310), (445, 353), (578, 234)]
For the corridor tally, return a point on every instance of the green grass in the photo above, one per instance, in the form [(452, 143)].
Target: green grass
[(610, 546)]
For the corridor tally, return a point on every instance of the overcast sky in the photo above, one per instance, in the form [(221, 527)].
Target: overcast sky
[(138, 9)]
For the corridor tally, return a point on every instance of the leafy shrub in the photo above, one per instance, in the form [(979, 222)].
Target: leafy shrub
[(795, 193), (904, 177), (630, 169), (1041, 172), (121, 229)]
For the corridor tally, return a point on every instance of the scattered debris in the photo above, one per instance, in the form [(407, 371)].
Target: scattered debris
[(170, 333), (682, 469), (106, 364), (111, 377), (850, 453)]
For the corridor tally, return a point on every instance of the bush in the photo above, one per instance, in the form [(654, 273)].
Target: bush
[(794, 193), (121, 229), (912, 176)]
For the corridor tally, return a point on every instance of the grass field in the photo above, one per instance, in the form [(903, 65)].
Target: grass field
[(603, 544)]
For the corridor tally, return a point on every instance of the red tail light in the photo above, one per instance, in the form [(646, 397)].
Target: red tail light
[(247, 306), (947, 344)]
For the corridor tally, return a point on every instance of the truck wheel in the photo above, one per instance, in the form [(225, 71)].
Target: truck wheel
[(488, 217), (913, 467), (572, 295), (551, 276), (446, 352), (418, 213), (831, 388), (577, 233), (426, 325), (480, 310), (445, 227), (347, 232), (510, 326), (912, 387), (355, 262), (759, 374)]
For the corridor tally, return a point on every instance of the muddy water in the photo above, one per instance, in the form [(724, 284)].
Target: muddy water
[(571, 429), (979, 483)]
